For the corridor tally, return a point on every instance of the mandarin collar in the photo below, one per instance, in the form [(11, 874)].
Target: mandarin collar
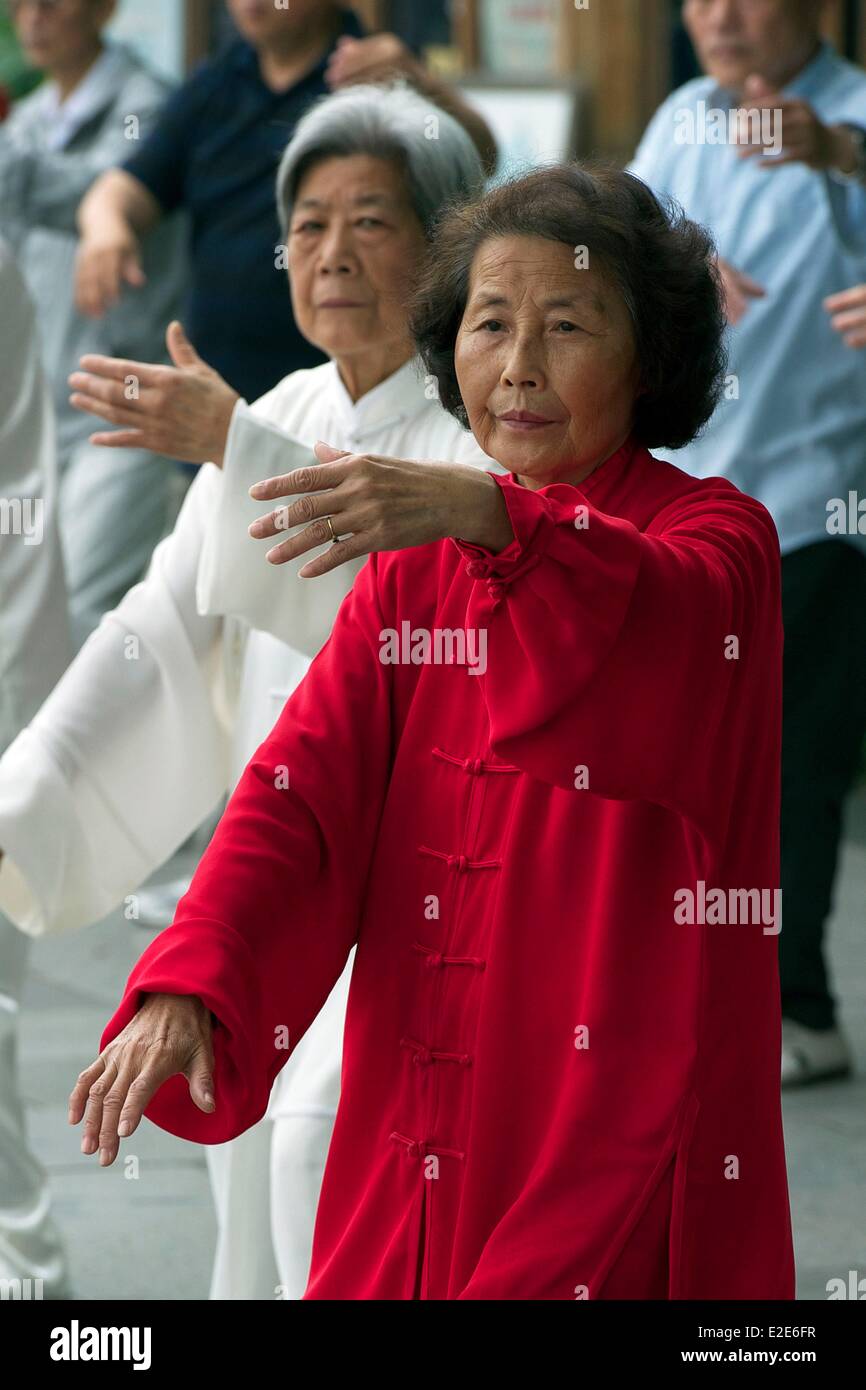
[(603, 479), (400, 396)]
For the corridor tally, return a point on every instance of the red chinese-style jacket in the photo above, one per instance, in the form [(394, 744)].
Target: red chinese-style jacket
[(553, 1087)]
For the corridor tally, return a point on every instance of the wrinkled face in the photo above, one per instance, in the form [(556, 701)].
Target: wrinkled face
[(264, 21), (355, 244), (57, 34), (545, 360), (736, 38)]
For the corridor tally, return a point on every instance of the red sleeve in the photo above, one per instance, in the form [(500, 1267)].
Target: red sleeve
[(266, 927), (612, 649)]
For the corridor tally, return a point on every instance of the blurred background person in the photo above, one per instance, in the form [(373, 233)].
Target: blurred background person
[(34, 650), (97, 101), (786, 202)]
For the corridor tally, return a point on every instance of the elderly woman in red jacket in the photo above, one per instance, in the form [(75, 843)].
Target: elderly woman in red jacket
[(534, 775)]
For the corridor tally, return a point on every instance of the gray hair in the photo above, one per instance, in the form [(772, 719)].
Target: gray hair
[(439, 160)]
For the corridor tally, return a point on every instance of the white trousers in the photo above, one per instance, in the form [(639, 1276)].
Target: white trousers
[(266, 1182), (244, 1262), (30, 1245), (266, 1186)]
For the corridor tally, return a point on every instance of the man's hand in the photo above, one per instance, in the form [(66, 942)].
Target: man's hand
[(848, 310), (170, 1034), (104, 263), (376, 59), (738, 289), (379, 504), (798, 133), (182, 411), (383, 57)]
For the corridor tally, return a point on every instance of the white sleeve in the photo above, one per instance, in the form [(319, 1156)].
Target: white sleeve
[(234, 576), (127, 755)]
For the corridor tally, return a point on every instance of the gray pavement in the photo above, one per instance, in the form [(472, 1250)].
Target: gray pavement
[(137, 1230), (145, 1230)]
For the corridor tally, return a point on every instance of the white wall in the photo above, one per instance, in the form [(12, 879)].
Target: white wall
[(155, 28)]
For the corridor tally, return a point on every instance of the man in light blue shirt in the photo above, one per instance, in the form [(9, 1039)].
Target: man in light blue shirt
[(767, 150)]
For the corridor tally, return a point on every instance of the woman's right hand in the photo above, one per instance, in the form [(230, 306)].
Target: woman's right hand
[(170, 1034)]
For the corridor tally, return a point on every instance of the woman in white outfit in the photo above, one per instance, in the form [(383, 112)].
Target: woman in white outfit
[(157, 717), (34, 649)]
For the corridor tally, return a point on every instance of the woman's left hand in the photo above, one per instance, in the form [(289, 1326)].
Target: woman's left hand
[(378, 504)]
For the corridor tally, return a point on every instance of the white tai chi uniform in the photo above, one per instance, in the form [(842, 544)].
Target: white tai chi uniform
[(34, 650), (154, 723)]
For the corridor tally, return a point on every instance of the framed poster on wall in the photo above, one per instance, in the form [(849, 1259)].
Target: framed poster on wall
[(518, 38)]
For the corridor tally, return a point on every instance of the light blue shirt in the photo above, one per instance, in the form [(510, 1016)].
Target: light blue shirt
[(796, 436)]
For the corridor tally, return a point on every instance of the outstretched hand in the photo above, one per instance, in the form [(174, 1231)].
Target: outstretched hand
[(364, 503), (182, 412), (170, 1034)]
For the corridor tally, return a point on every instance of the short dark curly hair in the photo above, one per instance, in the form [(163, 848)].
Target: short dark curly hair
[(662, 263)]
